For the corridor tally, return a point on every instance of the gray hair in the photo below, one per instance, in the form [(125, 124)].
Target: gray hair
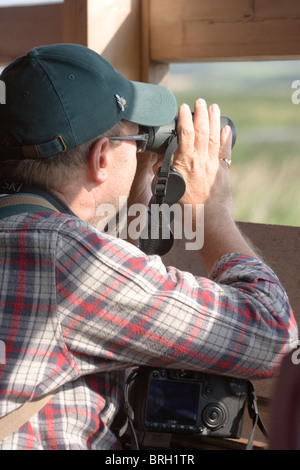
[(53, 172)]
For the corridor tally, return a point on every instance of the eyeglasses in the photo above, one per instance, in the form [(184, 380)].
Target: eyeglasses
[(140, 139)]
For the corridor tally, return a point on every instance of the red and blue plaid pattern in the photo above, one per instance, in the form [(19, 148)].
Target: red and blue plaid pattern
[(78, 308)]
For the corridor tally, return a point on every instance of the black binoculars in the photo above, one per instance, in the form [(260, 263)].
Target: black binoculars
[(158, 137), (169, 186)]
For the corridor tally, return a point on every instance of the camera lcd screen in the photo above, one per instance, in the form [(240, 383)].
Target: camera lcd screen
[(172, 402)]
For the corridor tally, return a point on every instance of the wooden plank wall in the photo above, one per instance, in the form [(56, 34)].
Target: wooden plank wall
[(112, 28), (142, 36), (22, 28), (188, 30)]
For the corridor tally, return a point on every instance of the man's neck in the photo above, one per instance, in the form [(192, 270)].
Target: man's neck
[(51, 197)]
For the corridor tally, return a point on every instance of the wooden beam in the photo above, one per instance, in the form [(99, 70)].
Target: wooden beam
[(151, 71), (189, 30), (75, 20), (22, 28), (111, 28), (117, 29)]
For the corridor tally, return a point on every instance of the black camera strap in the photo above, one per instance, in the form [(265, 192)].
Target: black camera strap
[(129, 413), (153, 241), (254, 415), (164, 173)]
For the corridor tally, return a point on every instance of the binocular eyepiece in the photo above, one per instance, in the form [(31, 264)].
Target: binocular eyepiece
[(160, 136)]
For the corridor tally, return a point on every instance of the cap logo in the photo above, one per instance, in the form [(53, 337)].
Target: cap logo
[(121, 102)]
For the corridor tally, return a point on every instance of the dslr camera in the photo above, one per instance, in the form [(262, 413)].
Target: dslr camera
[(178, 401)]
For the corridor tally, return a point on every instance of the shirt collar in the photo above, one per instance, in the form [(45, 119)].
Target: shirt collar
[(48, 195)]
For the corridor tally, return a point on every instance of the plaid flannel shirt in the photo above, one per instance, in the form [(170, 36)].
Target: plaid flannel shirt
[(79, 307)]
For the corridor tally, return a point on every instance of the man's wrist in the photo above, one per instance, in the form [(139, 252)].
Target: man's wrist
[(222, 236)]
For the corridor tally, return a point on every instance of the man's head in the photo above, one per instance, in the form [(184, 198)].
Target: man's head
[(63, 102), (61, 96)]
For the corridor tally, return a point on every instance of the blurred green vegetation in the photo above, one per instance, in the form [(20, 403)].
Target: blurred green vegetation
[(257, 96)]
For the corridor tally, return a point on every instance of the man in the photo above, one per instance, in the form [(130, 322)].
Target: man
[(79, 307)]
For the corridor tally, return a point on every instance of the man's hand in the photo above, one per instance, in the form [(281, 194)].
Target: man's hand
[(199, 159)]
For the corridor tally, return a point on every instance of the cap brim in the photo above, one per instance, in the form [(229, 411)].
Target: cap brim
[(150, 105)]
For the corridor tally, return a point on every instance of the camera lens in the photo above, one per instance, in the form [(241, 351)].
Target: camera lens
[(214, 416)]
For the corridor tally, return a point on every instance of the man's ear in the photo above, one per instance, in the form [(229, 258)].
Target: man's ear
[(99, 159)]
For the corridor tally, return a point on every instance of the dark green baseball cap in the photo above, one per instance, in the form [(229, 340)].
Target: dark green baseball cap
[(62, 95)]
